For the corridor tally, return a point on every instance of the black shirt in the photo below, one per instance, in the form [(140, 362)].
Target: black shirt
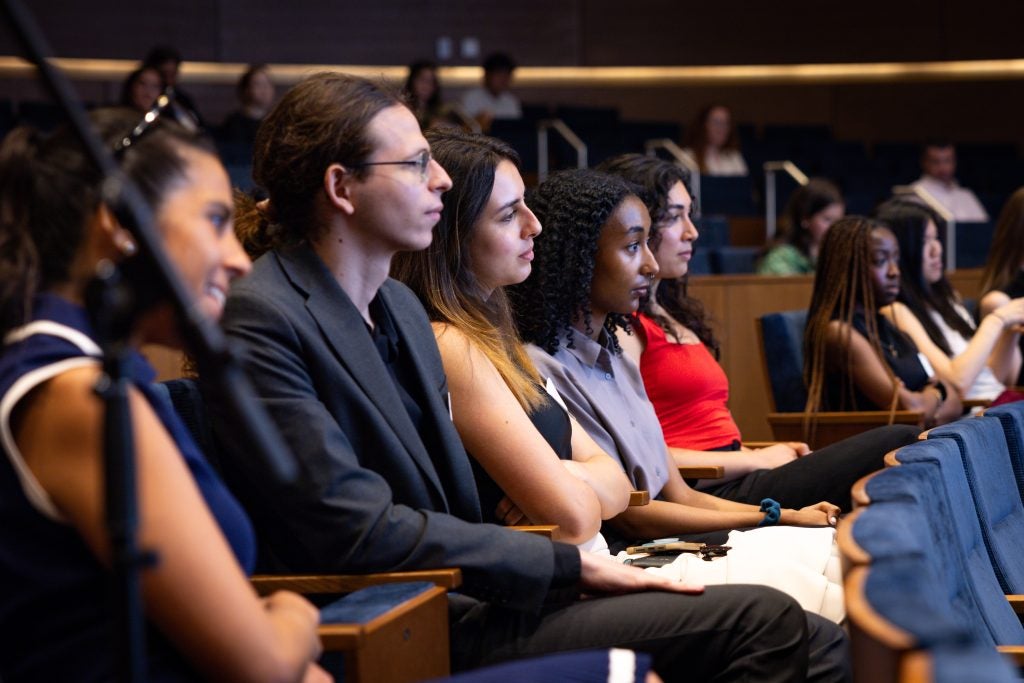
[(403, 375)]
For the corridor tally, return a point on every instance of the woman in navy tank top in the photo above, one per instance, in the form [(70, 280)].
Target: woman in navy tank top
[(56, 618)]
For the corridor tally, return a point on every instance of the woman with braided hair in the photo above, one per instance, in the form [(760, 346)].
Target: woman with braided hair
[(854, 359), (975, 361)]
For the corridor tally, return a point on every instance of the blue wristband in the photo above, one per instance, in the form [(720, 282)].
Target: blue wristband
[(772, 512)]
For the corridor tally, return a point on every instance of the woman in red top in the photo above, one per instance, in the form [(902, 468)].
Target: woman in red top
[(677, 353)]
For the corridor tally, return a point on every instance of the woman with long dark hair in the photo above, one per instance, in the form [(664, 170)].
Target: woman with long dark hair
[(531, 461), (977, 362), (854, 359)]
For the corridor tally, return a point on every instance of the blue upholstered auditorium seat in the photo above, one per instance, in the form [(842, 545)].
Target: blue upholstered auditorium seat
[(521, 135), (990, 478), (782, 335), (732, 196), (972, 243), (714, 230), (909, 528), (734, 260), (1011, 416), (965, 531)]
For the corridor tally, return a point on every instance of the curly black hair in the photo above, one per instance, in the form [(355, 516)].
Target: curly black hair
[(658, 177), (572, 207)]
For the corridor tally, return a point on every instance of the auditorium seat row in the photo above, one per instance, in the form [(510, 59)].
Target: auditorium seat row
[(933, 555)]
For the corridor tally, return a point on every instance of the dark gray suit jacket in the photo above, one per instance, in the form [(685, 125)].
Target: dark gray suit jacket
[(372, 494)]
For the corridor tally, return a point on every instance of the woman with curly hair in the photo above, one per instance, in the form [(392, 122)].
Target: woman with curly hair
[(854, 359), (591, 270), (532, 463), (977, 362), (676, 351)]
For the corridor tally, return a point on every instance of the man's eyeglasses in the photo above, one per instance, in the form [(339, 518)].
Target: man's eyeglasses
[(421, 162), (151, 117)]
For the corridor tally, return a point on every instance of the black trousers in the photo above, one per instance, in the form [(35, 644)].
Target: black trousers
[(729, 633), (826, 474)]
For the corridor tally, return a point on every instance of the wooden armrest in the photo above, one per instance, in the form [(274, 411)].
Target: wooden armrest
[(709, 472), (307, 584), (976, 403), (408, 642), (1014, 652), (754, 445), (638, 498), (1017, 603), (830, 427), (546, 530)]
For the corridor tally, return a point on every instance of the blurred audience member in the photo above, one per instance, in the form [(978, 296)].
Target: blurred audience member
[(1003, 277), (167, 61), (255, 95), (141, 88), (938, 177), (422, 92), (713, 143), (811, 211), (493, 100)]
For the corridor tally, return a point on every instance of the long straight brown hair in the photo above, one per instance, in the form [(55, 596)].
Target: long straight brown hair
[(442, 275)]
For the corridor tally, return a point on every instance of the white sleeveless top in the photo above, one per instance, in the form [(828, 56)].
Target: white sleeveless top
[(985, 386)]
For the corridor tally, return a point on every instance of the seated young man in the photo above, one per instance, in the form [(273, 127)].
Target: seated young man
[(344, 359)]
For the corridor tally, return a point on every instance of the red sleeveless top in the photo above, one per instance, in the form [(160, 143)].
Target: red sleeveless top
[(689, 390)]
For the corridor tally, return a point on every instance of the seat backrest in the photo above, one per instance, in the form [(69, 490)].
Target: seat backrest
[(1011, 417), (735, 260), (906, 584), (986, 462), (920, 526), (960, 525), (782, 350)]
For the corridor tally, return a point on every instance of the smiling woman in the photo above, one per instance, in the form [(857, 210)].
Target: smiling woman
[(56, 230)]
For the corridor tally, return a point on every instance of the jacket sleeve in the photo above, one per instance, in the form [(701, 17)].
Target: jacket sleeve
[(340, 516)]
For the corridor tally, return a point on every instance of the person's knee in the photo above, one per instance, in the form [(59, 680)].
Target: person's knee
[(828, 651), (895, 436), (764, 608)]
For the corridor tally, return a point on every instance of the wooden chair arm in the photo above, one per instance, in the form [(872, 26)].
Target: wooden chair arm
[(1017, 603), (406, 642), (546, 530), (968, 403), (754, 445), (830, 427), (308, 584), (639, 498), (709, 472), (1014, 652)]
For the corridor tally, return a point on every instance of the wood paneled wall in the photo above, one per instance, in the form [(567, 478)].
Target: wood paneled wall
[(735, 302)]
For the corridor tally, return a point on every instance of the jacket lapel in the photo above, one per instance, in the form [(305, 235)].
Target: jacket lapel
[(345, 332), (450, 456)]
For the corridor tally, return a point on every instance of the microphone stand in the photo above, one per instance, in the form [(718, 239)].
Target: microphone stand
[(113, 306)]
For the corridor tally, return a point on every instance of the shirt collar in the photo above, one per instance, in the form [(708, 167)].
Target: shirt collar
[(593, 354)]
